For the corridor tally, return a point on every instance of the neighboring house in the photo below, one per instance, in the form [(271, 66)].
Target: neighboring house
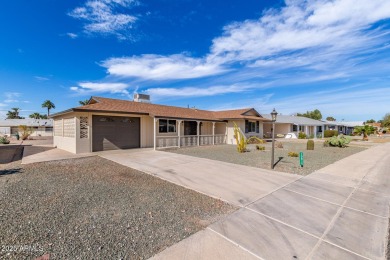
[(107, 124), (377, 126), (294, 124), (342, 127), (40, 127)]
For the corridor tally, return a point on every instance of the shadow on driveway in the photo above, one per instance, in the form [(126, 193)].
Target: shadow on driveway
[(10, 171)]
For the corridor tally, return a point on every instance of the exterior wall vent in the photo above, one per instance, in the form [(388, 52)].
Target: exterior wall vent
[(141, 98)]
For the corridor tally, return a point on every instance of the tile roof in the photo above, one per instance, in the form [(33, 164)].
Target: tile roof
[(125, 106)]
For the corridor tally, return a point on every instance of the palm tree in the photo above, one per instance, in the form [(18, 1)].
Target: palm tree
[(49, 105), (84, 102), (14, 113), (35, 115)]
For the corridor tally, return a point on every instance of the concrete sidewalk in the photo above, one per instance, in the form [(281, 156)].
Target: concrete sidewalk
[(338, 212)]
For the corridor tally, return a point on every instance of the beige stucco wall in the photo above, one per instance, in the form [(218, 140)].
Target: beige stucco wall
[(5, 130), (241, 125), (220, 128), (84, 145), (279, 129), (230, 130)]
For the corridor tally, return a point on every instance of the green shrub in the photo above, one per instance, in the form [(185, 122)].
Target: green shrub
[(331, 133), (302, 135), (260, 147), (339, 141), (326, 143), (4, 140), (255, 140), (310, 145), (293, 154)]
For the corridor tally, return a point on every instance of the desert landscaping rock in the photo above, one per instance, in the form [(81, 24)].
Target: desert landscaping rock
[(92, 208), (313, 160)]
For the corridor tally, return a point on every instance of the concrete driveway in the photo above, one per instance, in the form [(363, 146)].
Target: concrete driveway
[(338, 212)]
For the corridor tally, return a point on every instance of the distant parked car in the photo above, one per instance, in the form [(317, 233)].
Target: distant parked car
[(291, 136)]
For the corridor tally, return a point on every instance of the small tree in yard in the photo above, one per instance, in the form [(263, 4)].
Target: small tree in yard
[(365, 130), (386, 120), (240, 139), (25, 131)]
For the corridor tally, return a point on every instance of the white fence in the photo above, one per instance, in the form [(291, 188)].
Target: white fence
[(189, 140)]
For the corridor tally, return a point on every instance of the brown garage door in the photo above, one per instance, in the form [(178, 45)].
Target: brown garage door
[(115, 132)]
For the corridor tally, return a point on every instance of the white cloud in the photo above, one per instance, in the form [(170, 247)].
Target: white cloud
[(91, 87), (196, 92), (157, 67), (39, 78), (72, 35), (298, 35), (291, 35), (102, 17), (11, 97)]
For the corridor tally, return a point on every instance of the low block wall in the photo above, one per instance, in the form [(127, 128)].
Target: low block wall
[(10, 153)]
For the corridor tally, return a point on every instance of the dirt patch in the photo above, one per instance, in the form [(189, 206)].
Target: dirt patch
[(313, 160), (93, 208)]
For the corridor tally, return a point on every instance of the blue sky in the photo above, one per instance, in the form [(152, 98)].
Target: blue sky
[(293, 55)]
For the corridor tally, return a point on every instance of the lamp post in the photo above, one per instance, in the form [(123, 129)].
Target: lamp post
[(273, 115)]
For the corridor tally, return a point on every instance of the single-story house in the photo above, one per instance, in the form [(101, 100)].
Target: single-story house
[(106, 124), (40, 127), (294, 124), (342, 127)]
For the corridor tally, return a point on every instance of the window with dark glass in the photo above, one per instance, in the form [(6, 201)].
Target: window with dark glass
[(167, 126), (252, 127), (295, 128)]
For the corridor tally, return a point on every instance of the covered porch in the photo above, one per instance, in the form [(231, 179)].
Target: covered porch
[(172, 132)]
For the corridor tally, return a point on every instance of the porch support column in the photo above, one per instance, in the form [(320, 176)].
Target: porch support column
[(323, 131), (213, 133), (315, 131), (155, 120), (197, 131), (179, 131)]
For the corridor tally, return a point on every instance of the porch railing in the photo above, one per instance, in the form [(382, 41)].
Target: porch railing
[(189, 140)]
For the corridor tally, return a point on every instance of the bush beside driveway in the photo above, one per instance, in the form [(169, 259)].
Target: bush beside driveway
[(94, 208)]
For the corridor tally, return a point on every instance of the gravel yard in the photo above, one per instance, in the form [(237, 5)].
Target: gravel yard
[(313, 160), (92, 208)]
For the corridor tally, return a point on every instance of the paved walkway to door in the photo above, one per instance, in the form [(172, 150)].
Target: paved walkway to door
[(338, 212)]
